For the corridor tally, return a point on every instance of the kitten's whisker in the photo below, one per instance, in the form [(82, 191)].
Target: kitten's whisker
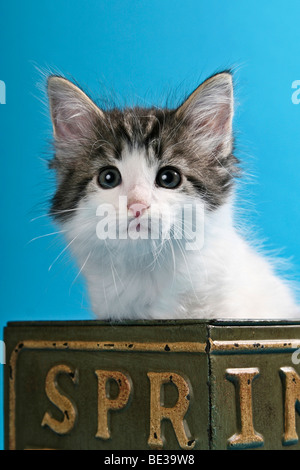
[(78, 274), (111, 255), (45, 235), (156, 254), (39, 217), (174, 261), (59, 212), (187, 267), (112, 267), (188, 232), (105, 297), (153, 253), (66, 247)]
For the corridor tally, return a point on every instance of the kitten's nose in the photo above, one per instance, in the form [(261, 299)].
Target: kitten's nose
[(137, 209)]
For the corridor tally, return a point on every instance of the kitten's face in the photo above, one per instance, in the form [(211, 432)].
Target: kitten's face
[(140, 165)]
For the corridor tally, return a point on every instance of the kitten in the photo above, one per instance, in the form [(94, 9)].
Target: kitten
[(145, 197)]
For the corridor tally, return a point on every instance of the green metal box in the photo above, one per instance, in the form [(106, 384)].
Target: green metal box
[(166, 385)]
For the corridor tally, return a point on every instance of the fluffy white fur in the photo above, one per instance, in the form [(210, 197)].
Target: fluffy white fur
[(225, 279), (154, 279)]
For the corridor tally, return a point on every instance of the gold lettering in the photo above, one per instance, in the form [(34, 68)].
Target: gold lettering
[(105, 403), (175, 414), (63, 403), (291, 381), (242, 379)]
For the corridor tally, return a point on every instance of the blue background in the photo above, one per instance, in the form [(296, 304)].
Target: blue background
[(142, 50)]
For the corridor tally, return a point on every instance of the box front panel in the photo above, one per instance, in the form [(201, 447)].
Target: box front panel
[(255, 388), (81, 394), (155, 385)]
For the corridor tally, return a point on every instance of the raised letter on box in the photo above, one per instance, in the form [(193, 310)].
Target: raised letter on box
[(291, 381), (242, 379), (105, 403), (63, 403), (175, 414)]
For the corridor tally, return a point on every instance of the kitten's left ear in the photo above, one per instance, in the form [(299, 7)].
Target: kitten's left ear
[(73, 113), (208, 112)]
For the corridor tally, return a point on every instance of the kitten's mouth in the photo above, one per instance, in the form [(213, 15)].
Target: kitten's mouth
[(142, 227)]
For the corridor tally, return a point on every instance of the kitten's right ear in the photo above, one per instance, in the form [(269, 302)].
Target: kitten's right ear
[(208, 113), (73, 113)]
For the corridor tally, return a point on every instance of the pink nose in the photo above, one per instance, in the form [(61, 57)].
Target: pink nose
[(137, 209)]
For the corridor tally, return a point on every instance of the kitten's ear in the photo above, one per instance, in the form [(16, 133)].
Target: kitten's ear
[(208, 111), (73, 113)]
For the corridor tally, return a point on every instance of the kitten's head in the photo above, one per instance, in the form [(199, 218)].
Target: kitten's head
[(154, 159)]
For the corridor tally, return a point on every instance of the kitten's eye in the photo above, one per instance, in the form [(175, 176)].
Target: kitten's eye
[(168, 177), (109, 178)]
